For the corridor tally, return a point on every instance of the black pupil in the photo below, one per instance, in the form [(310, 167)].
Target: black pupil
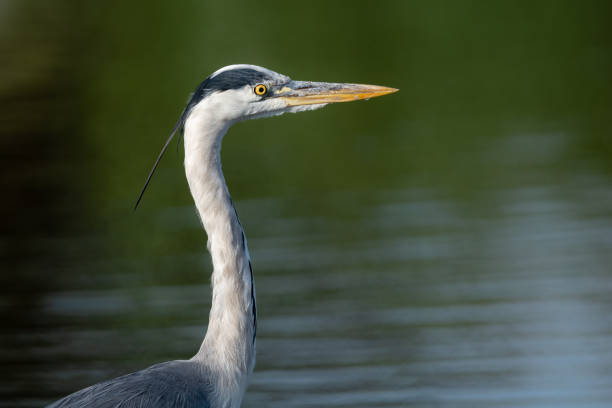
[(260, 89)]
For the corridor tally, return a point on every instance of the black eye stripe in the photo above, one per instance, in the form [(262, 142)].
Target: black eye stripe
[(231, 79)]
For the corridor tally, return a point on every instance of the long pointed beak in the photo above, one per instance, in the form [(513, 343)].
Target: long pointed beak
[(308, 93)]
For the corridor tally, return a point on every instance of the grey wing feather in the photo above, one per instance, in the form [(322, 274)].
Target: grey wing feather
[(175, 384)]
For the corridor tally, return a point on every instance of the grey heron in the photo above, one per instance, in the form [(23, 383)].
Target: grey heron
[(218, 374)]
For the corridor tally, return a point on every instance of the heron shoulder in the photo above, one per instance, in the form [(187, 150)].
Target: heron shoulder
[(174, 384)]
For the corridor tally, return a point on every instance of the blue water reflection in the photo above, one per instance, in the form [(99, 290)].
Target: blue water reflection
[(472, 311)]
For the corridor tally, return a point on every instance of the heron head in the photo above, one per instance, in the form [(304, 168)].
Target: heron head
[(240, 92)]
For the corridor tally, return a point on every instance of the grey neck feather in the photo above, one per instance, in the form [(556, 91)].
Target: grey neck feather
[(228, 349)]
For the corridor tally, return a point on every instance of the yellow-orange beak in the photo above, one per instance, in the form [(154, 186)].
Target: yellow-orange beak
[(309, 93)]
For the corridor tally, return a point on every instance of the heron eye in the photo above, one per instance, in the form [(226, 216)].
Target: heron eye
[(260, 89)]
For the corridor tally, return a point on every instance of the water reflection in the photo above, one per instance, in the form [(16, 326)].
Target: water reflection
[(471, 311)]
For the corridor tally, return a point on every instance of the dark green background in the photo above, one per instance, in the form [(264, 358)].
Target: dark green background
[(448, 245)]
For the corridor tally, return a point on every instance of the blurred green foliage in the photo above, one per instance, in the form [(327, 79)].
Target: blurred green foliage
[(492, 95)]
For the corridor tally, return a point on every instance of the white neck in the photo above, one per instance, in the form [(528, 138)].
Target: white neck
[(228, 349)]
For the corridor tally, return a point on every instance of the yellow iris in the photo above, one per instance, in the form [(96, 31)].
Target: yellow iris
[(260, 89)]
